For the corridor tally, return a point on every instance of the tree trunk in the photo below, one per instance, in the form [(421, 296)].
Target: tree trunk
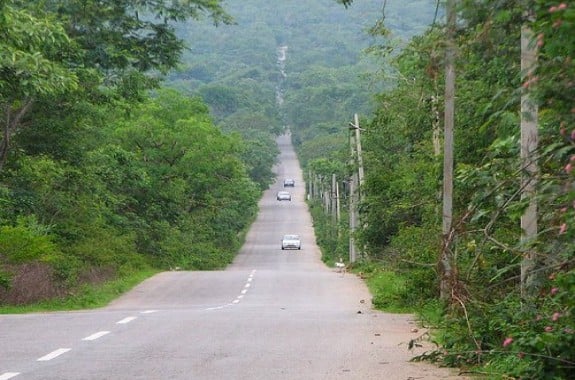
[(12, 121)]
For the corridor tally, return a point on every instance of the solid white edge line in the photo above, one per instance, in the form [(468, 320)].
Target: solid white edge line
[(97, 335), (126, 320), (53, 354), (8, 375)]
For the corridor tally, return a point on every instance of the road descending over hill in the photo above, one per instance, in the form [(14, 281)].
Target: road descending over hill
[(272, 314)]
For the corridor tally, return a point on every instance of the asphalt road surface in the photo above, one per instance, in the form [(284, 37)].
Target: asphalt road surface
[(272, 314)]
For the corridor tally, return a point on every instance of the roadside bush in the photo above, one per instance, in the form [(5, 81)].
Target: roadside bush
[(326, 235), (514, 339), (25, 242), (185, 251), (388, 290), (412, 254)]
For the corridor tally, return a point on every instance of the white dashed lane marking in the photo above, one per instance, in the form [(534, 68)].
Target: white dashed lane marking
[(8, 375), (245, 289), (97, 335), (126, 320), (53, 354), (60, 351)]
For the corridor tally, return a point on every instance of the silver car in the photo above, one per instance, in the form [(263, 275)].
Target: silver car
[(291, 242), (283, 196)]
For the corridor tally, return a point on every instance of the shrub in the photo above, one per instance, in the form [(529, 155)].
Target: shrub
[(23, 243)]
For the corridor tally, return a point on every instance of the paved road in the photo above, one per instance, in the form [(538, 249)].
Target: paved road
[(272, 314)]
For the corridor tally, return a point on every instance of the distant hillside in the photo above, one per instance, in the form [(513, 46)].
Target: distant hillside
[(235, 67)]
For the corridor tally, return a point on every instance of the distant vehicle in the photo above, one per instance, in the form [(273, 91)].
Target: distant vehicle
[(283, 196), (291, 242), (289, 182)]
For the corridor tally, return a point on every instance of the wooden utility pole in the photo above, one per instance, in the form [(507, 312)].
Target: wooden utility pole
[(529, 142), (446, 259)]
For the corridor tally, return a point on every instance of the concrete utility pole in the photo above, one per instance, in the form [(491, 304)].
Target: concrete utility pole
[(352, 218), (337, 205), (335, 211), (309, 184), (529, 142), (355, 183), (357, 129), (334, 200), (445, 261)]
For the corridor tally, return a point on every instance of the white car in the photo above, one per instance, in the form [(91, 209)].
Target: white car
[(283, 196), (289, 182), (291, 242)]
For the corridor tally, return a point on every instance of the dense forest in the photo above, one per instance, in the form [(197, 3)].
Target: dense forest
[(138, 138)]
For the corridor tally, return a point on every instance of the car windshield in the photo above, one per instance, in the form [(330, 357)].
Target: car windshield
[(291, 237)]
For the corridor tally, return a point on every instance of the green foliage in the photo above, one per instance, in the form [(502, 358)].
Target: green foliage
[(334, 245), (32, 51), (186, 178), (121, 176), (401, 208), (388, 290), (26, 241), (513, 339), (412, 255), (114, 37), (258, 152), (161, 182), (325, 154)]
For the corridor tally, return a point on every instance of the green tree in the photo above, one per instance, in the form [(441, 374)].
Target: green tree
[(123, 35), (34, 56)]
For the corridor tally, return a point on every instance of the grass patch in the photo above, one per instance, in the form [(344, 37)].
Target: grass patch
[(388, 290), (86, 297)]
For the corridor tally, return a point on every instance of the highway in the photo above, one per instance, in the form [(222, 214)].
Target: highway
[(272, 314)]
